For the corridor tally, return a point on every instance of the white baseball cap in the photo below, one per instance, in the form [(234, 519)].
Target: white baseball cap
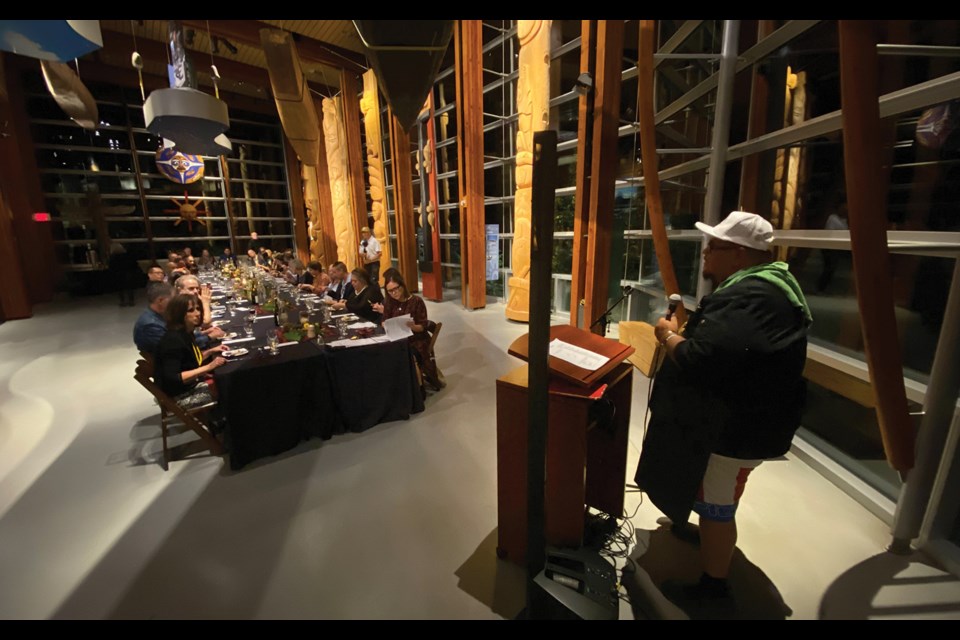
[(740, 227)]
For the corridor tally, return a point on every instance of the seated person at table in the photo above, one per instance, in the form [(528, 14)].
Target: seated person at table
[(179, 268), (388, 301), (364, 296), (206, 260), (316, 279), (192, 265), (178, 361), (228, 257), (294, 272), (151, 325), (339, 287), (205, 331), (155, 274), (405, 303)]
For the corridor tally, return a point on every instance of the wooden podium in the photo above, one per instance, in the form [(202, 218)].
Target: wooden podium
[(586, 442)]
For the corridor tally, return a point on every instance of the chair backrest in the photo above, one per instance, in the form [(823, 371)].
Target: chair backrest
[(434, 331), (144, 374)]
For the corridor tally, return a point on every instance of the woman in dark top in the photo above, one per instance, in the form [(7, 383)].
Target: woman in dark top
[(178, 361), (404, 303), (363, 298), (388, 300)]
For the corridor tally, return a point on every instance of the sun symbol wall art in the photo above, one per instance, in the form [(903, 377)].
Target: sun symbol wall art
[(189, 212)]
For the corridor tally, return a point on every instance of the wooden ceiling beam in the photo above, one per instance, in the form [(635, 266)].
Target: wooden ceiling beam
[(152, 50), (310, 49)]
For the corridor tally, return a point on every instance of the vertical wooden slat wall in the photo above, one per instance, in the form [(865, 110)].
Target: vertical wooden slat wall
[(23, 193), (403, 202), (581, 211), (867, 208), (603, 163), (648, 144), (469, 70), (295, 185), (756, 126)]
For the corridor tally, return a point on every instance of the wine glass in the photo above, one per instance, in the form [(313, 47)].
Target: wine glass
[(272, 343)]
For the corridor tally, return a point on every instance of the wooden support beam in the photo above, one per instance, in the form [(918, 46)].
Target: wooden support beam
[(469, 71), (648, 150), (867, 207), (20, 184), (295, 185), (312, 50), (756, 126), (403, 201), (603, 164), (350, 90), (581, 207)]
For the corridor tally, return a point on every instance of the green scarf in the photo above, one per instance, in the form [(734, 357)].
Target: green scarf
[(777, 273)]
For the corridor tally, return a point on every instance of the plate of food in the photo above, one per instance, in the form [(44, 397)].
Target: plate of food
[(220, 323), (235, 353), (230, 336)]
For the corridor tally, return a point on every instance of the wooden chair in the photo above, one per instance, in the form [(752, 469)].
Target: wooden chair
[(433, 329), (171, 412)]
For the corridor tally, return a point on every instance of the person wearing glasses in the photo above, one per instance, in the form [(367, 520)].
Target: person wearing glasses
[(728, 396), (401, 302)]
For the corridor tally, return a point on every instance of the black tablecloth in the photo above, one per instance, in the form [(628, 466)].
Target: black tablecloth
[(308, 390)]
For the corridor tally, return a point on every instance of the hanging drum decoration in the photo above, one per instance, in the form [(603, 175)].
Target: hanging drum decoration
[(179, 167)]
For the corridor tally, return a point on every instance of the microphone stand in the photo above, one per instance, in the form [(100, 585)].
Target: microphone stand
[(605, 316)]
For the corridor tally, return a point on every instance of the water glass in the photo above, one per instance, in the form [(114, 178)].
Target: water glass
[(248, 326), (342, 327), (272, 343), (310, 305)]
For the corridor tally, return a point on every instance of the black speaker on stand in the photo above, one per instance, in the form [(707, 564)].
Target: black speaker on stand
[(564, 584)]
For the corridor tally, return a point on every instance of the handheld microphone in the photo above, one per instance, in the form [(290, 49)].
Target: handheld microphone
[(675, 300)]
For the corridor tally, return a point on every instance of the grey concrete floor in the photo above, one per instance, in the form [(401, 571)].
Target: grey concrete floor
[(398, 522)]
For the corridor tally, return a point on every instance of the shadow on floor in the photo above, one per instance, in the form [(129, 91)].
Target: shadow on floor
[(660, 556), (496, 583), (888, 586)]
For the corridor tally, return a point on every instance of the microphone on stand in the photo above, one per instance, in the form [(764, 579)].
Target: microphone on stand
[(675, 300)]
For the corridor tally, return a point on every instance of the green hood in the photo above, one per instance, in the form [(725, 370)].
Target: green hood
[(777, 273)]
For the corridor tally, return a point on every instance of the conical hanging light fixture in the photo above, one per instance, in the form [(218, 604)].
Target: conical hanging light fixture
[(406, 56)]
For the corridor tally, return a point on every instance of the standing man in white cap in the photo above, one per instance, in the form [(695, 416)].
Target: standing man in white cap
[(728, 396), (370, 252)]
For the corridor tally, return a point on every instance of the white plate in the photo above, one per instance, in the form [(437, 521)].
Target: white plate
[(219, 323), (233, 353), (230, 336)]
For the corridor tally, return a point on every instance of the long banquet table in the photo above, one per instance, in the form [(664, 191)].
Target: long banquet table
[(307, 389)]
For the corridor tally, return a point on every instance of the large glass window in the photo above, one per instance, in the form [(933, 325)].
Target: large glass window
[(103, 186)]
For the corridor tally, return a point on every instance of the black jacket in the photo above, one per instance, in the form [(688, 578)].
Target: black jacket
[(175, 354), (360, 303), (735, 389)]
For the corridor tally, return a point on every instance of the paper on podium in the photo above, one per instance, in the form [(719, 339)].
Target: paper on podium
[(578, 356), (397, 329)]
